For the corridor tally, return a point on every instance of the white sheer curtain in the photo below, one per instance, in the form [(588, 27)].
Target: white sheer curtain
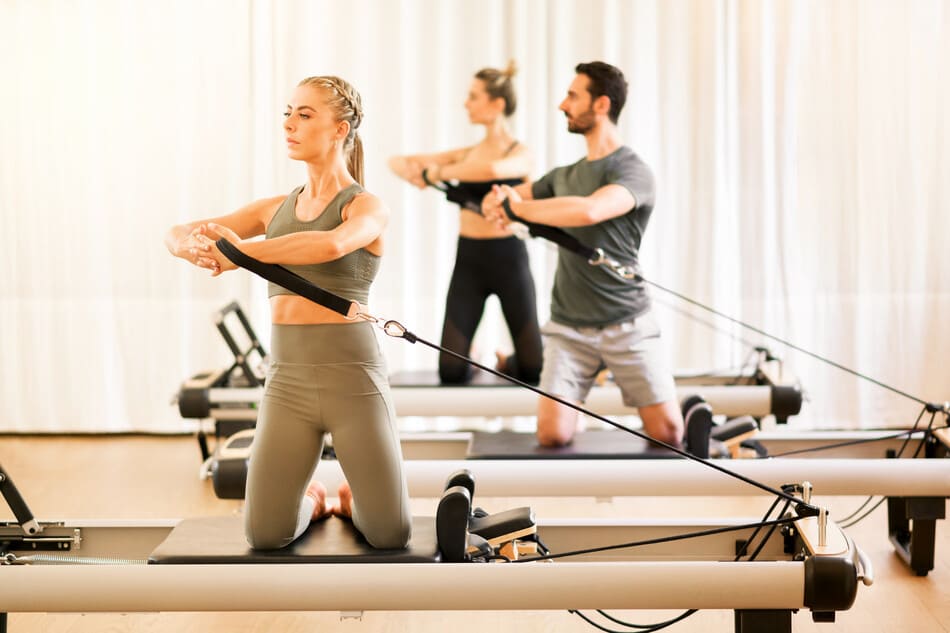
[(800, 148)]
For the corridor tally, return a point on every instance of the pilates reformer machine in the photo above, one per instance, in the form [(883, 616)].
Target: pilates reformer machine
[(229, 397), (763, 570), (461, 559)]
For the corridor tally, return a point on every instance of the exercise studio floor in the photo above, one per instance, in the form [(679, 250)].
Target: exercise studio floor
[(129, 477)]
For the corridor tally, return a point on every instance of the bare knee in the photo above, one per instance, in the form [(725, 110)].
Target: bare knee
[(663, 422), (557, 424), (554, 437), (669, 433)]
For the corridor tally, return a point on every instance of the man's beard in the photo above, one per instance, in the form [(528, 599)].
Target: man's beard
[(582, 123)]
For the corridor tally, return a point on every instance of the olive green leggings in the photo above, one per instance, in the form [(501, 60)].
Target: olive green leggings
[(325, 379)]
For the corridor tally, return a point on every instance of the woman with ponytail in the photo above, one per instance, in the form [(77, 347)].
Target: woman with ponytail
[(327, 374), (489, 259)]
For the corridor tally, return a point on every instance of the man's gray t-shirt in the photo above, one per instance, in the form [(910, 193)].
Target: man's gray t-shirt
[(585, 295)]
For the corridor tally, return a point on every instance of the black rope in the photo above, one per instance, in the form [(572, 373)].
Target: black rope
[(658, 627), (660, 539), (788, 344), (571, 243), (929, 429), (645, 627), (855, 513), (558, 236), (768, 535), (906, 434), (709, 324), (865, 515), (768, 513), (742, 552), (850, 520), (828, 447)]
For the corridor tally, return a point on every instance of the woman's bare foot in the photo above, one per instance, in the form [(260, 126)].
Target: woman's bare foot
[(318, 492), (501, 361), (345, 507)]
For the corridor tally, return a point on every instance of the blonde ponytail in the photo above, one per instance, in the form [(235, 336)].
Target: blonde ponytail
[(354, 160)]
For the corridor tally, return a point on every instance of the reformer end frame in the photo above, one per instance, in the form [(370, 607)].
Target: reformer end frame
[(15, 501)]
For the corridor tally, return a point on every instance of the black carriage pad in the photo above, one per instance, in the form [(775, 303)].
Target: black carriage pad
[(586, 445), (220, 540), (430, 378)]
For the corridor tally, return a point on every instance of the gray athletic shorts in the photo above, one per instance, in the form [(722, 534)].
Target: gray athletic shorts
[(633, 351)]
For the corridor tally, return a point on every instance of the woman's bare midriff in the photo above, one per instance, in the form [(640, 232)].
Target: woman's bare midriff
[(295, 310), (476, 227)]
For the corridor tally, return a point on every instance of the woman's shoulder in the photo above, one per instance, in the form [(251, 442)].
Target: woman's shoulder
[(367, 202)]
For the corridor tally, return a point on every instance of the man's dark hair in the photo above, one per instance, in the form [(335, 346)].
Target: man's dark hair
[(605, 80)]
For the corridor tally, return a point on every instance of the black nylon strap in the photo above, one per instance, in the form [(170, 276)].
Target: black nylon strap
[(286, 279), (553, 234)]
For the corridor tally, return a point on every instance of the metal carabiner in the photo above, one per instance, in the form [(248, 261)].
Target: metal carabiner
[(600, 259), (624, 272), (355, 312), (394, 329)]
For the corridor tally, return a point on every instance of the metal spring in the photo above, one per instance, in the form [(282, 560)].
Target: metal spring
[(46, 559)]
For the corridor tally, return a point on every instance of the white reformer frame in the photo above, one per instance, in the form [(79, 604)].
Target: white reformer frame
[(426, 464), (604, 478), (502, 401)]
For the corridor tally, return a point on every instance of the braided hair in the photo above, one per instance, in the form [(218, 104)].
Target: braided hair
[(347, 105)]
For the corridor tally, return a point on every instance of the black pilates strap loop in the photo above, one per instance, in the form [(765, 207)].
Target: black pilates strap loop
[(289, 280), (441, 186), (594, 256)]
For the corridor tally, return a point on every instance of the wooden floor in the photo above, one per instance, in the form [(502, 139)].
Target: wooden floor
[(157, 477)]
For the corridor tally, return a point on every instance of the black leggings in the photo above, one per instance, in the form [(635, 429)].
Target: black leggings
[(483, 268)]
